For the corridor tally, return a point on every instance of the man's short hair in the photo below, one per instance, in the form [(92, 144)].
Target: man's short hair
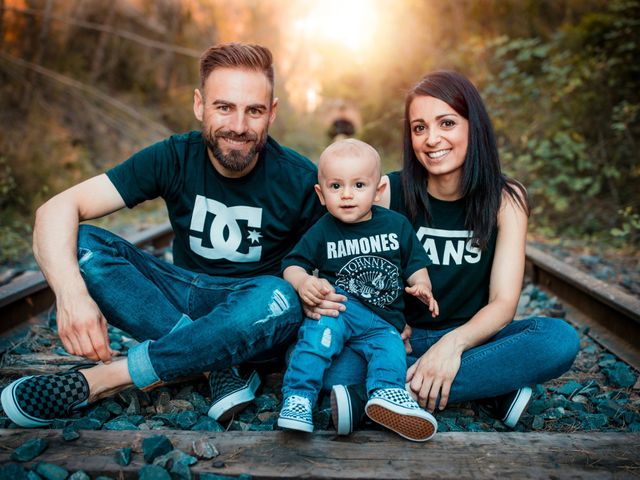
[(237, 55)]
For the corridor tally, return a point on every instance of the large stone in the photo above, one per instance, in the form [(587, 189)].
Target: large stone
[(29, 450), (153, 472), (120, 423), (207, 424), (203, 449), (12, 471), (51, 471), (620, 375), (569, 388), (186, 420), (594, 421), (70, 434), (79, 475), (153, 447), (87, 423), (173, 457), (123, 456)]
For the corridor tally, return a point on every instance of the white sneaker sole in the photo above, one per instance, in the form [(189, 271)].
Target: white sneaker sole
[(291, 424), (226, 407), (518, 407), (413, 424), (341, 410), (15, 414)]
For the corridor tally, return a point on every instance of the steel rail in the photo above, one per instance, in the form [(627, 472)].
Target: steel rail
[(612, 315)]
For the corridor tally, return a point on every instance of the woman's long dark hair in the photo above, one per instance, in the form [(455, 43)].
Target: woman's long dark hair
[(482, 179)]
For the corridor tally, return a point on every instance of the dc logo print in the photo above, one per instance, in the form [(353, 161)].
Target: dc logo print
[(373, 279), (225, 234)]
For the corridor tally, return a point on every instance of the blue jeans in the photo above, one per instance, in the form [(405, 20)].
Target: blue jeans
[(187, 322), (374, 340), (525, 352)]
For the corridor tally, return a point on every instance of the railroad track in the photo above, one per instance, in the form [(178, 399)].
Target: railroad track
[(613, 318)]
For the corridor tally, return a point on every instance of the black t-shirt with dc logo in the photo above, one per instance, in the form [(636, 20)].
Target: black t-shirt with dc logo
[(236, 227), (460, 271), (370, 260)]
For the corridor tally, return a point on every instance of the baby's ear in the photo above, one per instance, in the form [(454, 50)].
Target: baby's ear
[(382, 186), (319, 192)]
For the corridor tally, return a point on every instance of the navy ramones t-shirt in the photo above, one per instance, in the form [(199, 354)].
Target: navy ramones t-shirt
[(236, 227), (370, 260)]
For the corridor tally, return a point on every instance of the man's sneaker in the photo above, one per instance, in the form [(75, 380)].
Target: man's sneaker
[(508, 407), (230, 393), (347, 407), (296, 414), (36, 401), (396, 410)]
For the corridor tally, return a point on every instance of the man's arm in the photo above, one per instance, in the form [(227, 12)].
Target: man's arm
[(81, 325)]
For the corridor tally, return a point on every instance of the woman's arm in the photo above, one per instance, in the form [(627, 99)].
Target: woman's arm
[(434, 372)]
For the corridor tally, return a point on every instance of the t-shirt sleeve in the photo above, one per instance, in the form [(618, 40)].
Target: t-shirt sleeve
[(305, 253), (414, 257), (147, 174)]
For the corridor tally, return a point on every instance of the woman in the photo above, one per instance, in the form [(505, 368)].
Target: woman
[(472, 220)]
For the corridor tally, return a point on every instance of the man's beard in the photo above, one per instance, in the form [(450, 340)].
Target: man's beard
[(234, 160)]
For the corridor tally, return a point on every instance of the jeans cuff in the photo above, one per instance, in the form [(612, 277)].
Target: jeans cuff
[(141, 370), (183, 322)]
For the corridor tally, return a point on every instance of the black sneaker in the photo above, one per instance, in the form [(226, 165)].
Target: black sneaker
[(508, 407), (230, 393), (36, 401), (347, 407)]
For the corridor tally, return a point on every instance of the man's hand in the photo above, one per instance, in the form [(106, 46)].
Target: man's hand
[(423, 292), (331, 306), (83, 329)]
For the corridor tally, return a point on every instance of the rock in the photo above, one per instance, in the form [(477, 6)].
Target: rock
[(120, 423), (606, 360), (186, 420), (32, 475), (634, 427), (569, 388), (594, 421), (29, 450), (321, 420), (213, 476), (70, 434), (169, 460), (87, 423), (169, 419), (185, 393), (12, 471), (113, 407), (100, 413), (51, 471), (155, 446), (218, 464), (134, 406), (199, 403), (610, 408), (123, 456), (79, 475), (538, 406), (538, 422), (180, 471), (207, 424), (620, 375), (266, 403), (264, 427), (153, 472), (203, 449)]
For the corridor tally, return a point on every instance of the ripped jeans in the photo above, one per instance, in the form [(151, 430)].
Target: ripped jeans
[(375, 341), (187, 322)]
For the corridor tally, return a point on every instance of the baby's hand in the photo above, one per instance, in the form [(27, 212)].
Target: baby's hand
[(313, 290), (423, 292)]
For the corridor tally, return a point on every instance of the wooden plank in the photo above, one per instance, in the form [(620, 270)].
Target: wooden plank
[(363, 455)]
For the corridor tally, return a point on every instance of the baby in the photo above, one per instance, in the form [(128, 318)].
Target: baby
[(367, 253)]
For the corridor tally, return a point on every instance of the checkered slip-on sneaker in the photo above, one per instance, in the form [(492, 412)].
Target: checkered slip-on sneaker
[(508, 407), (395, 409), (230, 393), (296, 414), (36, 401), (347, 407)]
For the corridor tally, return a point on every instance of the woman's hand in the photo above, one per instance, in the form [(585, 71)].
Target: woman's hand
[(406, 336), (434, 372)]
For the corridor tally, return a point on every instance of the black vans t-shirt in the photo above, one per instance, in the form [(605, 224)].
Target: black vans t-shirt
[(236, 227), (460, 272), (370, 260)]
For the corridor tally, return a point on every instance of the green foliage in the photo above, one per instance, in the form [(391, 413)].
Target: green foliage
[(566, 112)]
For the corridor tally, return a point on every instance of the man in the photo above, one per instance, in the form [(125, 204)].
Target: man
[(237, 202)]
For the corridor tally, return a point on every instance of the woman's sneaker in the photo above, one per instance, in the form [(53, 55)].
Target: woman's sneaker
[(347, 407), (296, 414), (230, 393), (508, 407), (36, 401), (395, 409)]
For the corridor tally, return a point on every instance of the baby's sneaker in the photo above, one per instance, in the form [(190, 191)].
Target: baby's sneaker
[(296, 414), (396, 410)]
